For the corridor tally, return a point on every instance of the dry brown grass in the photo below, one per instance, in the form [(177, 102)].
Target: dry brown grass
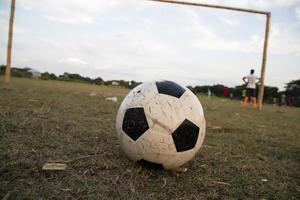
[(51, 120)]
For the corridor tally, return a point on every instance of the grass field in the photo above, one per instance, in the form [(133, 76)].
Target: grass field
[(251, 155)]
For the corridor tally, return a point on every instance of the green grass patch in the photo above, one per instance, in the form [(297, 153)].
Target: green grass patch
[(251, 155)]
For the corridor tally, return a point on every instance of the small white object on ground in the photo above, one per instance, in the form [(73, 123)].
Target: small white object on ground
[(264, 180), (55, 166), (113, 99), (216, 128)]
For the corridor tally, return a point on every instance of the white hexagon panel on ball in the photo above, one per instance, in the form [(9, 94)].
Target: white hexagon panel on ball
[(161, 122)]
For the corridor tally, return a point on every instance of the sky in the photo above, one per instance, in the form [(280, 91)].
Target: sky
[(143, 41)]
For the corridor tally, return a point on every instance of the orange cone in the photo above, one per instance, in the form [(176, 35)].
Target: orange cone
[(254, 102), (245, 102)]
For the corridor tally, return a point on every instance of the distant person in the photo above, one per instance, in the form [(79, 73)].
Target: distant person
[(289, 101), (208, 93), (225, 91), (244, 93), (250, 82), (282, 100)]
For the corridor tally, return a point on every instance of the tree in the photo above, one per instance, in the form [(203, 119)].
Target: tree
[(48, 76), (21, 72), (217, 89), (238, 90), (2, 69), (200, 89), (98, 81), (133, 84), (293, 88), (124, 83), (270, 93), (293, 92)]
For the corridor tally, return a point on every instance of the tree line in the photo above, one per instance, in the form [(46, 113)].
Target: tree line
[(235, 92), (26, 73), (291, 94)]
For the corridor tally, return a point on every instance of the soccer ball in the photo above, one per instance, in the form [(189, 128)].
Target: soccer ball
[(162, 123)]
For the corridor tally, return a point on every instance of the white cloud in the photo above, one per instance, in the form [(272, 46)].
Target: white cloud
[(297, 13), (283, 2), (73, 61), (259, 4), (209, 36), (74, 5), (148, 22), (116, 49), (69, 12), (4, 17), (253, 45), (228, 21), (195, 24), (284, 39), (71, 19)]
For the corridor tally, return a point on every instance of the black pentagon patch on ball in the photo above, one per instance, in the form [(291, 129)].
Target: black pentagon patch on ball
[(185, 136), (135, 123), (170, 88)]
